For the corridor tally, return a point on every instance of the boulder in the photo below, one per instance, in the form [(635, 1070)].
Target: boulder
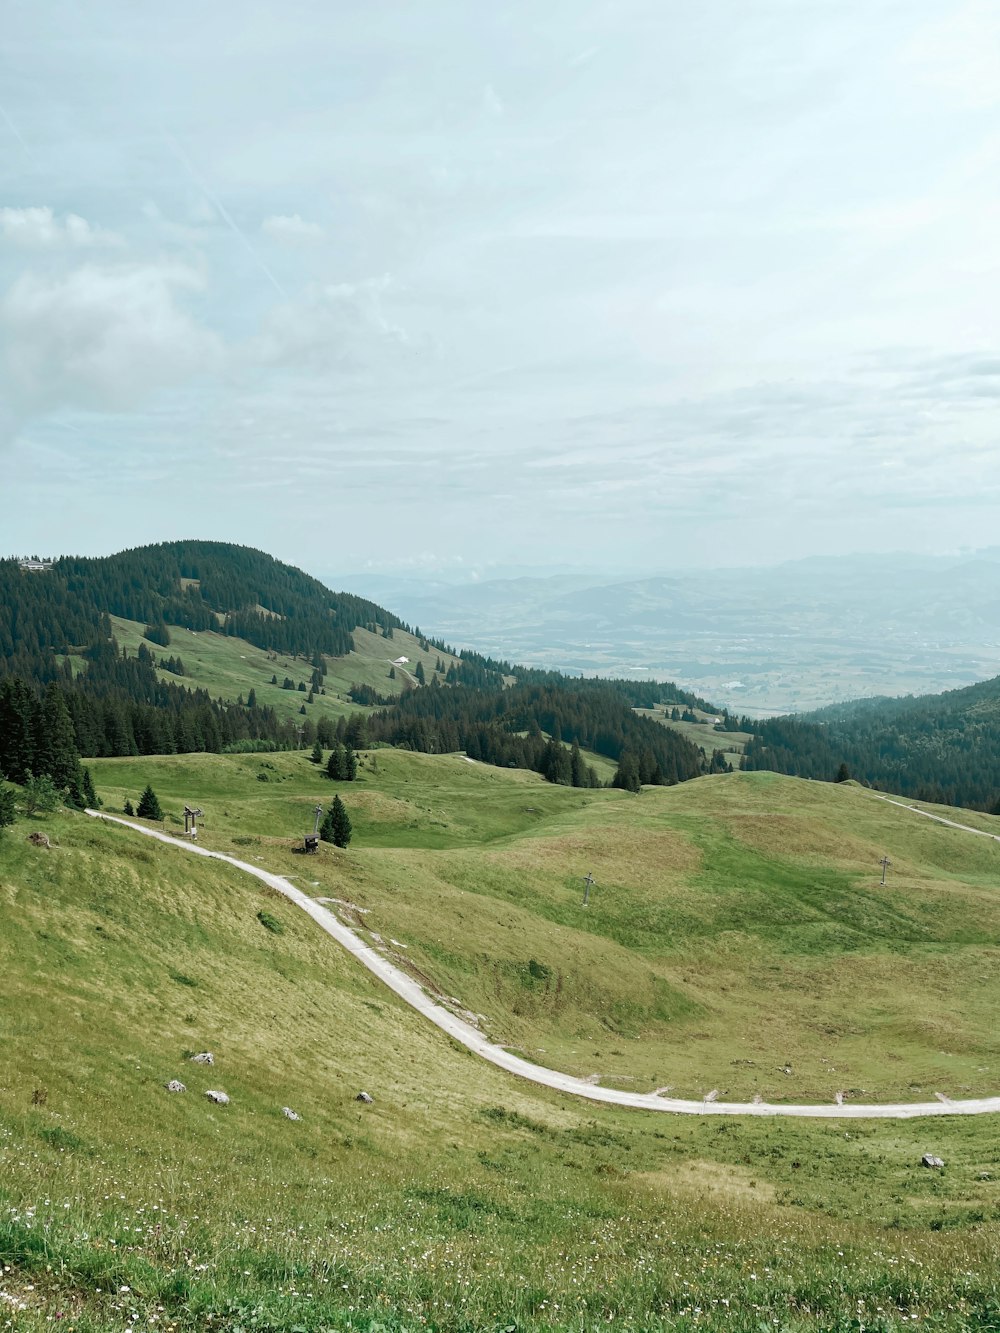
[(220, 1098), (175, 1085), (929, 1159), (289, 1113), (365, 1097), (202, 1058), (39, 839)]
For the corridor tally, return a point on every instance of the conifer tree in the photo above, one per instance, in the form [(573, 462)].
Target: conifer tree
[(340, 823), (336, 764), (128, 808), (350, 765), (317, 753), (8, 806), (149, 806)]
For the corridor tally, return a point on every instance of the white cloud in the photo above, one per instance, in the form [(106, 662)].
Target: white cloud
[(340, 323), (100, 336), (291, 229), (40, 229)]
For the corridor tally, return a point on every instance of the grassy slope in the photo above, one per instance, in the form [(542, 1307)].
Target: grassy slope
[(461, 1197), (737, 928), (229, 667), (732, 743)]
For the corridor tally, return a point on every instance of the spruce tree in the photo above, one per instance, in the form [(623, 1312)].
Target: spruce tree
[(350, 765), (149, 806), (335, 765), (317, 753), (326, 831), (341, 823), (8, 806), (128, 808), (89, 793)]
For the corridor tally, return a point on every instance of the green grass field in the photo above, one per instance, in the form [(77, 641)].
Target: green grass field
[(701, 733), (462, 1198), (229, 667)]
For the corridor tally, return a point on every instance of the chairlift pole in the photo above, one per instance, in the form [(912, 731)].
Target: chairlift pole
[(885, 863), (588, 884)]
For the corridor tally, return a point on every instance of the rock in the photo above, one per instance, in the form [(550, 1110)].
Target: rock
[(289, 1113), (202, 1058), (365, 1097), (39, 839), (929, 1159), (175, 1085), (220, 1098)]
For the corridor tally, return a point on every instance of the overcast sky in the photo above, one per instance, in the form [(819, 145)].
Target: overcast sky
[(427, 283)]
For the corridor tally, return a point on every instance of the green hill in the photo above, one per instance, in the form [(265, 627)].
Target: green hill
[(936, 747), (460, 1198), (202, 646)]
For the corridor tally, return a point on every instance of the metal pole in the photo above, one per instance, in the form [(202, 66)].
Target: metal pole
[(588, 881), (884, 863)]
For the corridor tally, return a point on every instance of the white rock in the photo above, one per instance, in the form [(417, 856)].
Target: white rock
[(203, 1058), (364, 1097), (175, 1085), (220, 1098), (291, 1115)]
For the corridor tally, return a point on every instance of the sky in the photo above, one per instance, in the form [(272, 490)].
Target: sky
[(451, 286)]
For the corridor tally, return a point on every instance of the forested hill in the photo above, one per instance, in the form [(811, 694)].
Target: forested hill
[(936, 747), (199, 585), (62, 668)]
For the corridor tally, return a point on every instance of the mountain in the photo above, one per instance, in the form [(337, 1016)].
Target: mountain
[(262, 655), (758, 640)]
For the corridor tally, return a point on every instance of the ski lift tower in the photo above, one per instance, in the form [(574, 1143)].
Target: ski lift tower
[(311, 840), (191, 817)]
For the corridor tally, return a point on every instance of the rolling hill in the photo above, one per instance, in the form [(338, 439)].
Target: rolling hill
[(459, 1198)]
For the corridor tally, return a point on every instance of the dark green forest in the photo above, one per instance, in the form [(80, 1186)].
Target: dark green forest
[(935, 747)]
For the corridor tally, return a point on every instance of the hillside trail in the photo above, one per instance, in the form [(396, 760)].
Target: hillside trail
[(413, 994), (938, 819)]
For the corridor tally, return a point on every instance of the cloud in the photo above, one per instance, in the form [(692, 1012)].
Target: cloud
[(100, 337), (291, 229), (40, 229), (340, 323)]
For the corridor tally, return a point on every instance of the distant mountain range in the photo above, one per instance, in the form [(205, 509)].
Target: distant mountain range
[(787, 638)]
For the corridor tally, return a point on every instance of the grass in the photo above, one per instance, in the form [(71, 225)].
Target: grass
[(463, 1199), (737, 937), (229, 667), (701, 733)]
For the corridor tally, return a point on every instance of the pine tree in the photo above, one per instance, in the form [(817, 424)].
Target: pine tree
[(55, 746), (89, 793), (419, 672), (336, 764), (350, 765), (8, 806), (317, 753), (326, 831), (341, 823), (149, 806), (252, 698), (128, 808)]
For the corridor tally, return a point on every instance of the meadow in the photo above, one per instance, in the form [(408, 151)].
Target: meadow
[(460, 1198)]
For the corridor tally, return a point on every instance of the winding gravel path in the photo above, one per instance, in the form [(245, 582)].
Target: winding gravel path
[(464, 1033)]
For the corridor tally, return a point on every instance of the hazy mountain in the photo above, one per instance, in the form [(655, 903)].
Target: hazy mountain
[(788, 637)]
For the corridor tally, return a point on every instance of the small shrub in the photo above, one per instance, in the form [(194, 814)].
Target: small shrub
[(181, 979), (270, 923)]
